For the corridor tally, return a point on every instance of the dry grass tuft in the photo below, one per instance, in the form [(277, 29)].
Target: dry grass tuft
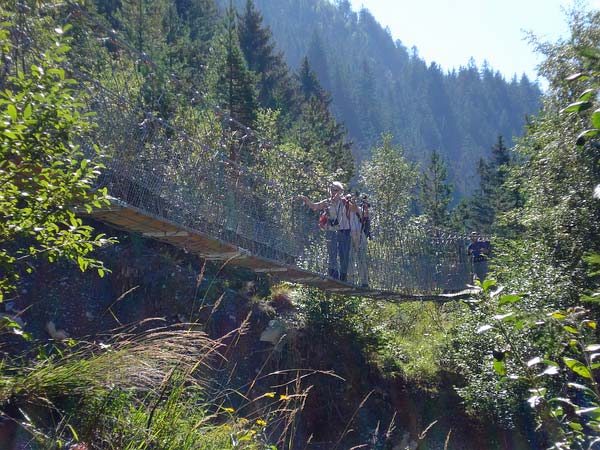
[(139, 362), (281, 297)]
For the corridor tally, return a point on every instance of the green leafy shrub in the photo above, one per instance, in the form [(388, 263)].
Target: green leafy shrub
[(44, 177)]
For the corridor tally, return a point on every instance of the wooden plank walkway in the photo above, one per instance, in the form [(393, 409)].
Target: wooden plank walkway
[(129, 218)]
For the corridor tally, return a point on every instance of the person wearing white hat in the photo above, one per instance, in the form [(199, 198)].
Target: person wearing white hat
[(337, 228)]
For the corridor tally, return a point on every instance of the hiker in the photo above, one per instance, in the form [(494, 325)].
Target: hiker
[(479, 251), (337, 229), (364, 213), (358, 238)]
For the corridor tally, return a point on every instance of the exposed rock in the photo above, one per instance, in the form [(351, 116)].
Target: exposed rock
[(273, 333), (55, 333)]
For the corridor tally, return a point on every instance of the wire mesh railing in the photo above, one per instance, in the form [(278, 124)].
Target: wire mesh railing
[(175, 156)]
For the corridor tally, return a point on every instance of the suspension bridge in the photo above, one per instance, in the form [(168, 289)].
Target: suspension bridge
[(185, 172)]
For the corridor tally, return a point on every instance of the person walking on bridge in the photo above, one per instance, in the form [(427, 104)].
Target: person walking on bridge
[(337, 229), (479, 252), (358, 252)]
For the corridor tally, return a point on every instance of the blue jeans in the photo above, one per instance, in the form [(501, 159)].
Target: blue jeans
[(331, 239), (343, 244), (338, 246)]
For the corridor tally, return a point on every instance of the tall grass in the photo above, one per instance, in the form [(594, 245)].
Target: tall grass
[(147, 389)]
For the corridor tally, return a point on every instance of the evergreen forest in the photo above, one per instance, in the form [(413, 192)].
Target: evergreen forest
[(379, 86), (221, 125)]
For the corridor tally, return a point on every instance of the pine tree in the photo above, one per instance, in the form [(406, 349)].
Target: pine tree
[(318, 60), (142, 23), (309, 83), (493, 197), (199, 19), (436, 193), (318, 131), (150, 26), (274, 83), (230, 81)]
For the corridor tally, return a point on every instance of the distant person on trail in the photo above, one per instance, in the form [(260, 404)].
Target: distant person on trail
[(337, 228), (358, 252), (479, 251)]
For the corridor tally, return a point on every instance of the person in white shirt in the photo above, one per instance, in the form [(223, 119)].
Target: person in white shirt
[(358, 250), (337, 229)]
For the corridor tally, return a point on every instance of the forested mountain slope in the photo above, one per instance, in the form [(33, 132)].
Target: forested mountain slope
[(378, 86)]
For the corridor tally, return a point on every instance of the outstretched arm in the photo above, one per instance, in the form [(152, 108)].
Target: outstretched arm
[(312, 205)]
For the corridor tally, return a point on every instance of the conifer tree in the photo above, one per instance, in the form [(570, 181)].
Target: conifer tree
[(318, 60), (436, 193), (147, 24), (142, 23), (309, 83), (318, 131), (274, 83), (199, 20), (493, 196), (230, 81)]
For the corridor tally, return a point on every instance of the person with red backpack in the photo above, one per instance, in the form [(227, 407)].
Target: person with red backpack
[(337, 228)]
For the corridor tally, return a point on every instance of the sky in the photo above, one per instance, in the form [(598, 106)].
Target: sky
[(449, 32)]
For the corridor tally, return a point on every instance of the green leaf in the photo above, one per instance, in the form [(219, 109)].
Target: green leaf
[(577, 76), (592, 412), (487, 284), (499, 367), (577, 107), (577, 367), (557, 412), (575, 426), (509, 298), (10, 134), (570, 329), (12, 112), (580, 387), (586, 134), (534, 361), (596, 118), (585, 95), (73, 432)]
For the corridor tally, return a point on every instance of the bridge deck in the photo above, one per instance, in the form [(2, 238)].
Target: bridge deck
[(126, 217)]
